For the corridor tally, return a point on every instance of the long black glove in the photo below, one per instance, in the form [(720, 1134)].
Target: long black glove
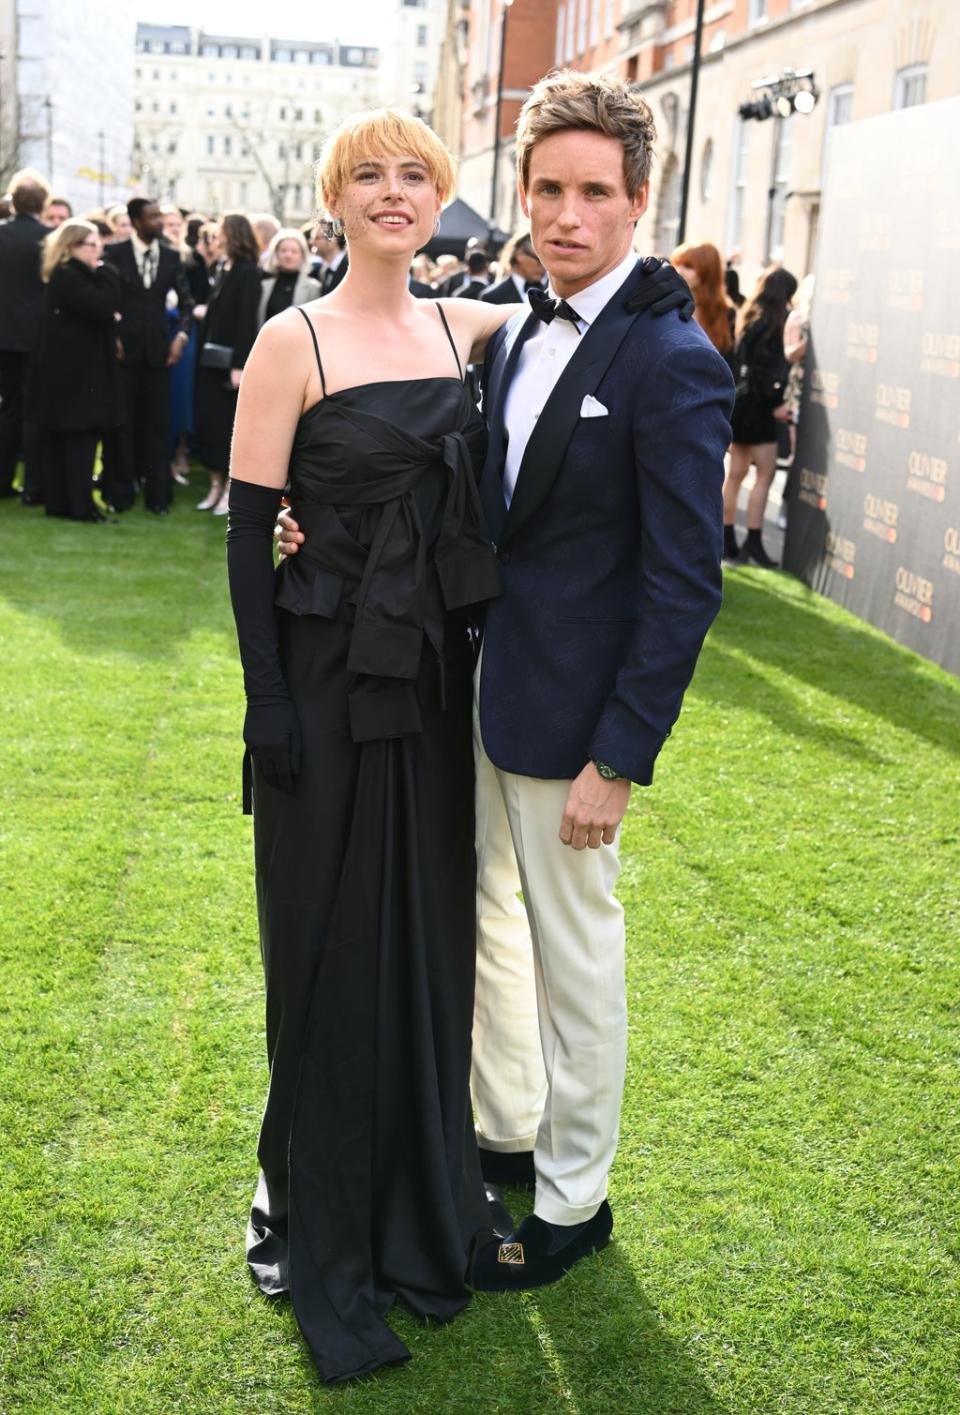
[(661, 290), (270, 730)]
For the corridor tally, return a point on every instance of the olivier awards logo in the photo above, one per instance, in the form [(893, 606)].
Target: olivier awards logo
[(825, 388), (880, 517), (927, 476), (905, 290), (914, 594), (863, 342), (951, 549), (813, 489), (874, 230), (893, 404), (940, 354), (840, 554), (851, 449), (835, 286)]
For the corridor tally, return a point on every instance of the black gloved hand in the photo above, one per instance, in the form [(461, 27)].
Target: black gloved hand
[(272, 733), (661, 290)]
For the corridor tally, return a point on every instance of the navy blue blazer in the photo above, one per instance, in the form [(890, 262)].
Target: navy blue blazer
[(610, 551)]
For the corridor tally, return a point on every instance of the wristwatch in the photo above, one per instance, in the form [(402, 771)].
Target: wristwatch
[(609, 773)]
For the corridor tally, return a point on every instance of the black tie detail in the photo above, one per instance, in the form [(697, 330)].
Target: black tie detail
[(548, 309)]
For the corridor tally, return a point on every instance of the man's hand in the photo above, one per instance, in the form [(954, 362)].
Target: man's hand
[(287, 534), (175, 352), (594, 809), (661, 290)]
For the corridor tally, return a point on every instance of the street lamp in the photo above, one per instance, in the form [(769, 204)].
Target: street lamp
[(495, 179), (691, 118)]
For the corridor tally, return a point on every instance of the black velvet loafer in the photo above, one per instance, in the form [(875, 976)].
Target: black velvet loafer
[(514, 1168), (536, 1254)]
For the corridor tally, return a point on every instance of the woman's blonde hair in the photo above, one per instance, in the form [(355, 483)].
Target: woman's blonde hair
[(381, 132), (60, 245), (565, 101), (286, 233)]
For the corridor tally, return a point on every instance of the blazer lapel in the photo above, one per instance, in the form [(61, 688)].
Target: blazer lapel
[(503, 367), (545, 451)]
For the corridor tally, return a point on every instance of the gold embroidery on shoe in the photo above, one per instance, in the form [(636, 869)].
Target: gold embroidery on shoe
[(510, 1253)]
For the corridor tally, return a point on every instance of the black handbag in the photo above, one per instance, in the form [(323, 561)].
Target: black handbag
[(216, 356)]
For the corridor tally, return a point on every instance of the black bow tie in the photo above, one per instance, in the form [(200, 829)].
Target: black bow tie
[(548, 310)]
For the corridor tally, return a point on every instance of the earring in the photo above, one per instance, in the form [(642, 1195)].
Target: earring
[(332, 228), (436, 229)]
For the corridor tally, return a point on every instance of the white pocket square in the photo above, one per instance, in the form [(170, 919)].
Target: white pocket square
[(592, 408)]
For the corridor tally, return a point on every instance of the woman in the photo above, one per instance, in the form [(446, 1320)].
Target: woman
[(121, 227), (183, 372), (173, 227), (75, 378), (702, 268), (286, 281), (760, 368), (226, 337), (358, 668)]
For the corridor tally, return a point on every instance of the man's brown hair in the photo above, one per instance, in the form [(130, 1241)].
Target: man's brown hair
[(28, 192), (567, 100)]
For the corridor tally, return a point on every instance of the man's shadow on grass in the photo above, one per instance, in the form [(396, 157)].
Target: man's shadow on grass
[(859, 667), (133, 589)]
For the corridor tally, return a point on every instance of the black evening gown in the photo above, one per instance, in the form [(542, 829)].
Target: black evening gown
[(370, 1185)]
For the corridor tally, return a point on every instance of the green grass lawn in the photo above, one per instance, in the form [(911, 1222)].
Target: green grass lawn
[(786, 1192)]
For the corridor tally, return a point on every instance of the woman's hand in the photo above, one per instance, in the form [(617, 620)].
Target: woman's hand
[(235, 376)]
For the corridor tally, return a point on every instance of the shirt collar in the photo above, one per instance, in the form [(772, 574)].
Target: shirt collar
[(140, 248), (590, 301)]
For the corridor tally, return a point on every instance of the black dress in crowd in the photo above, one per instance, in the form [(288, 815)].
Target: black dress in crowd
[(75, 388), (370, 1184), (760, 370), (231, 321), (21, 293)]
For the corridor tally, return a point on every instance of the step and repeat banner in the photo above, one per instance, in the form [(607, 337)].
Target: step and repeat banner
[(874, 517)]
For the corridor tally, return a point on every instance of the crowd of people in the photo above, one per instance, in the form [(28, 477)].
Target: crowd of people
[(128, 329)]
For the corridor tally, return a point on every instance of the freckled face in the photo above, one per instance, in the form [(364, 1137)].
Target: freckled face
[(389, 204), (582, 218)]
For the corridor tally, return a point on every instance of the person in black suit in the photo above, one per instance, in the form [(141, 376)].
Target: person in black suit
[(526, 273), (149, 271), (478, 273), (331, 246), (226, 338), (75, 387), (21, 294)]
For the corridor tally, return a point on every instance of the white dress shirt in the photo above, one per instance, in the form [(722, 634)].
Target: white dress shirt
[(543, 358), (147, 258)]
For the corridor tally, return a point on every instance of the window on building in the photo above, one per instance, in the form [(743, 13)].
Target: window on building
[(211, 111), (178, 47), (668, 209), (248, 51), (420, 75), (229, 51), (210, 142), (582, 25), (779, 187), (227, 145), (281, 150), (706, 171), (282, 56), (317, 118), (283, 112), (228, 110), (172, 75), (757, 12), (910, 86), (561, 30), (610, 23), (137, 73), (172, 147), (301, 56), (595, 22), (571, 29), (155, 106), (421, 36), (354, 56), (738, 192), (156, 46), (137, 106), (297, 197), (243, 193), (298, 115), (298, 152), (414, 4), (155, 74), (172, 108), (316, 151), (209, 51)]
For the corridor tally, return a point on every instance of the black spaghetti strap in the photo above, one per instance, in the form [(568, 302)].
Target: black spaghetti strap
[(316, 349), (450, 337)]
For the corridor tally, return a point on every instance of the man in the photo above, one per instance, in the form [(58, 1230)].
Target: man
[(149, 270), (478, 276), (58, 210), (602, 490), (526, 273), (331, 248), (21, 294)]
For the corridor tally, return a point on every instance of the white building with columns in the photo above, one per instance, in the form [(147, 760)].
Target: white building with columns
[(228, 121)]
